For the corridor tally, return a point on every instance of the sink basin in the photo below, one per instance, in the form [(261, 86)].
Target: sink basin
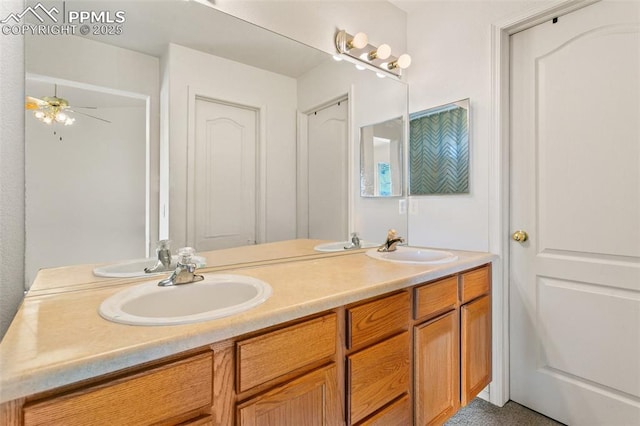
[(340, 246), (218, 295), (414, 255), (135, 268)]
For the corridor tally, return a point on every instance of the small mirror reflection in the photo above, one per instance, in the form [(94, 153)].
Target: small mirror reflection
[(381, 159)]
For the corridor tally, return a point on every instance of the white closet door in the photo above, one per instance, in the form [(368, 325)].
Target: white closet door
[(328, 173), (575, 189), (224, 187)]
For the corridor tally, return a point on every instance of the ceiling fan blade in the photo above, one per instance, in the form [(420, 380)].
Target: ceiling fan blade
[(88, 115), (34, 103)]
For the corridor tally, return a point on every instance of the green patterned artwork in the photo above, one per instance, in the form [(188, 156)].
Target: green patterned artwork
[(439, 150)]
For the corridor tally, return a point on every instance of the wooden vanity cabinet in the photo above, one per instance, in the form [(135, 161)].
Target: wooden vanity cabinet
[(475, 332), (378, 362), (411, 357), (177, 392), (452, 344), (436, 352), (289, 376)]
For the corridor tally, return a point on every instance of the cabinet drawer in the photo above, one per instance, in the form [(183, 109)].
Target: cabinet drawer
[(378, 375), (149, 397), (375, 320), (435, 297), (475, 283), (396, 414), (271, 355)]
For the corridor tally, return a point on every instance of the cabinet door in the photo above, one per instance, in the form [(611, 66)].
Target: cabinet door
[(310, 400), (437, 369), (476, 347)]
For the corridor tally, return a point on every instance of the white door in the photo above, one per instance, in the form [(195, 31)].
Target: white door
[(575, 189), (224, 184), (328, 173)]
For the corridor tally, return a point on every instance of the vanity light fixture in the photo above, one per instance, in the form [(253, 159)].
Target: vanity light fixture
[(368, 56)]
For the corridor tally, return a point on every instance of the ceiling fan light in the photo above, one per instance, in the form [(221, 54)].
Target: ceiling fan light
[(69, 121), (61, 117), (47, 120), (39, 114)]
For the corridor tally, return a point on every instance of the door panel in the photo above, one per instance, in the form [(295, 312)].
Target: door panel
[(328, 173), (225, 180), (575, 188)]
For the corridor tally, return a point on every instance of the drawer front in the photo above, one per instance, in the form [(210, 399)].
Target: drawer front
[(396, 414), (150, 397), (378, 375), (375, 320), (435, 297), (475, 283), (271, 355)]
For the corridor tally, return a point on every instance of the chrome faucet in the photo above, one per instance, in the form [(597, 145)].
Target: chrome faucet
[(163, 251), (355, 242), (392, 241), (185, 270)]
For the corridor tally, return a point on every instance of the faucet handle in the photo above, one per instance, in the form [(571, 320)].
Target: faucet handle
[(185, 254)]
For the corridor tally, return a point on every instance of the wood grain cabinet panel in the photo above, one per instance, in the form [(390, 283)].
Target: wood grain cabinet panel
[(378, 375), (375, 320), (438, 296), (475, 339), (437, 369), (272, 355), (153, 396), (475, 283), (310, 400), (398, 413)]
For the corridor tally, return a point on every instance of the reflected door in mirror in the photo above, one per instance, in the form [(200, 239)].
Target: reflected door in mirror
[(224, 184), (328, 173)]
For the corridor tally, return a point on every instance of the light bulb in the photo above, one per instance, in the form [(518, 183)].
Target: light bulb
[(380, 75), (358, 41), (61, 117), (39, 114), (69, 121), (47, 120), (382, 52), (402, 62), (337, 58), (360, 67)]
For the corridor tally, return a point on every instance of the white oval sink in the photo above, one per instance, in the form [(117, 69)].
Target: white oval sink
[(135, 268), (415, 255), (218, 295), (340, 246)]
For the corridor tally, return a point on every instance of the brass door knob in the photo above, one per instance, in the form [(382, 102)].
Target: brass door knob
[(520, 236)]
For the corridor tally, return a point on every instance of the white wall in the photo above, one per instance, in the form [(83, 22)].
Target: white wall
[(315, 23), (83, 193), (233, 82), (450, 43), (11, 170), (373, 100)]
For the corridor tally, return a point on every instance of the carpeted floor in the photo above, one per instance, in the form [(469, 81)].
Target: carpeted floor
[(481, 413)]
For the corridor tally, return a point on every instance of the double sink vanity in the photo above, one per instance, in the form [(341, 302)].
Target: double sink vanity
[(342, 338)]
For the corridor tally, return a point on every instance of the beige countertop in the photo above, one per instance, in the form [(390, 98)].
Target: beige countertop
[(58, 337)]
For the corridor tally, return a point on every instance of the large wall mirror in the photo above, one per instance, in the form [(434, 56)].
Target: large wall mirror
[(152, 162), (439, 150)]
